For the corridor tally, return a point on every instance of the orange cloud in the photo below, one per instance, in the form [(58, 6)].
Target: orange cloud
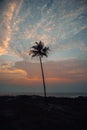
[(6, 27), (68, 71), (60, 72), (11, 74)]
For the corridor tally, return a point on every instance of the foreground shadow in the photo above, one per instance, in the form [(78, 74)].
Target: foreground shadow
[(31, 113)]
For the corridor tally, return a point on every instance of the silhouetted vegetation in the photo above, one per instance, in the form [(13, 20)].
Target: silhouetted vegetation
[(40, 50), (30, 113)]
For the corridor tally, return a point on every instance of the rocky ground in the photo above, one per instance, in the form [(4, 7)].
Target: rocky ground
[(32, 113)]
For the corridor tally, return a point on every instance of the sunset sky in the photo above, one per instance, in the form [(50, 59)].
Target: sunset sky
[(61, 25)]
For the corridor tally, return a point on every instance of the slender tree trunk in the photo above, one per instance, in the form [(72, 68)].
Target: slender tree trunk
[(43, 78)]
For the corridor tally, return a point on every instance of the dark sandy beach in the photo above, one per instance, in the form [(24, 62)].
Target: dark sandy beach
[(31, 113)]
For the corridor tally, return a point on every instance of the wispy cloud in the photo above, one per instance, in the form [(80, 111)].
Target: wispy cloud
[(56, 23), (7, 25), (5, 29)]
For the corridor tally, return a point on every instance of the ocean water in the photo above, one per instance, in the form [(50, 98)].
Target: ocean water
[(48, 94)]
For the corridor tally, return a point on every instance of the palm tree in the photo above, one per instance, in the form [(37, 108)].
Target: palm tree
[(40, 50)]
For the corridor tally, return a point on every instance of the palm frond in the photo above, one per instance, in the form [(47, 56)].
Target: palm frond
[(44, 54), (33, 52), (40, 45), (36, 43), (33, 55), (45, 49), (35, 47), (39, 50)]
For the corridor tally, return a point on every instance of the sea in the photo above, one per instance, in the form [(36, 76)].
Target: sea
[(51, 94)]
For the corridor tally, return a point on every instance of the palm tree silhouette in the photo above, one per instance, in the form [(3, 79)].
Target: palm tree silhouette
[(40, 50)]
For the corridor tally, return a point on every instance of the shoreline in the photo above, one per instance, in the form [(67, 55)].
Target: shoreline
[(50, 94)]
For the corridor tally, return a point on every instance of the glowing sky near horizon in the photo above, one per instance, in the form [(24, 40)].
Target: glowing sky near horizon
[(61, 25)]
